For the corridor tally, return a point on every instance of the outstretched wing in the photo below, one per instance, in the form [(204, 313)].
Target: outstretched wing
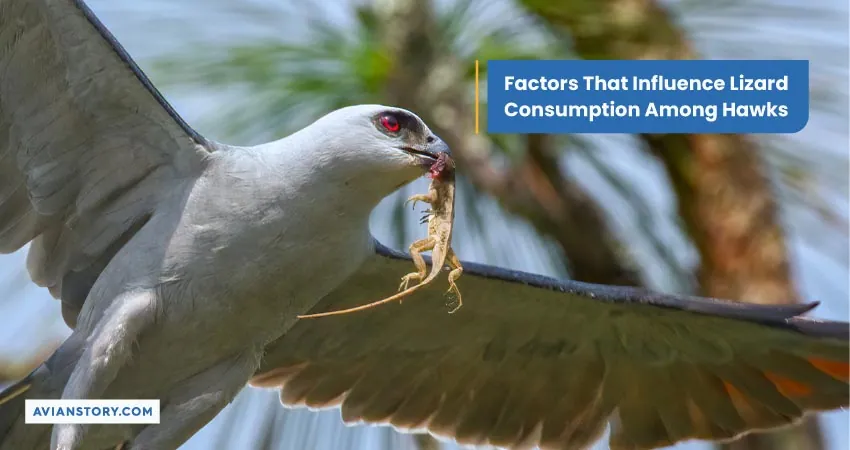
[(530, 360), (88, 147)]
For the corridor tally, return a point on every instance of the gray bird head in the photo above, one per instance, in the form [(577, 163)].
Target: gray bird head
[(375, 141), (359, 153)]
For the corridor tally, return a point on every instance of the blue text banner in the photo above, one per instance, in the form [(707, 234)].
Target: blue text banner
[(695, 96)]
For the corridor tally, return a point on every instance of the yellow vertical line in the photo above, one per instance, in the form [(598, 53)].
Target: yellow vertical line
[(476, 96)]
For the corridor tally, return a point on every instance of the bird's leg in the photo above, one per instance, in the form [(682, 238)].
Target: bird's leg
[(416, 249), (454, 274), (196, 401), (108, 349)]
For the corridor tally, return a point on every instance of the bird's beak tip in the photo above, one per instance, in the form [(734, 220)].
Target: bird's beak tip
[(438, 146)]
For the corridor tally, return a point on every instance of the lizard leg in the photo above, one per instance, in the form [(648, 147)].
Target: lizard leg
[(195, 401), (416, 249), (108, 350), (454, 274), (427, 198)]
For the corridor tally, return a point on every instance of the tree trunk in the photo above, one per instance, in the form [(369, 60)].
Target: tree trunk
[(727, 205), (725, 199)]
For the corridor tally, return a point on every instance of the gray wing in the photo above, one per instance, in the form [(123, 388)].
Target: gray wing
[(88, 147), (530, 360)]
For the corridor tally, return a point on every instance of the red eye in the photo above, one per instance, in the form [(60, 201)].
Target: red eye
[(390, 123)]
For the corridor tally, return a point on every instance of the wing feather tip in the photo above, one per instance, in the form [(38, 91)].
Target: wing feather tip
[(276, 377)]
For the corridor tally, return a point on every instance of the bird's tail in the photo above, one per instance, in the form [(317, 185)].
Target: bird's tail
[(14, 433)]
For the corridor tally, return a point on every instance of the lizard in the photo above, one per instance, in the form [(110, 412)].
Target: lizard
[(440, 218)]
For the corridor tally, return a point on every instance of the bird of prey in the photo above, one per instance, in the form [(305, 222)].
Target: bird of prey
[(181, 265)]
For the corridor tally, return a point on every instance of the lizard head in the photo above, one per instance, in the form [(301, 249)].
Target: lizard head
[(442, 167)]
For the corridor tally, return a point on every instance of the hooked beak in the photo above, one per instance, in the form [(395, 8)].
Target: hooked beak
[(428, 154)]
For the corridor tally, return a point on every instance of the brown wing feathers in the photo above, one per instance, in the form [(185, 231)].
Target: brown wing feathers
[(529, 401)]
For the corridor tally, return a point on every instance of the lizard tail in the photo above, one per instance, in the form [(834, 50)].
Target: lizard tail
[(395, 297), (435, 270)]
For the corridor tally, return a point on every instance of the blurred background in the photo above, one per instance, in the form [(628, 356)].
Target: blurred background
[(752, 218)]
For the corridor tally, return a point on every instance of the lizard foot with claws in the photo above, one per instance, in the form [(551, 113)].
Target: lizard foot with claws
[(440, 218)]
